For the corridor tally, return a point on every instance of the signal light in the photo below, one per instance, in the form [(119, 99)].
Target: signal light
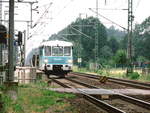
[(3, 34), (19, 38)]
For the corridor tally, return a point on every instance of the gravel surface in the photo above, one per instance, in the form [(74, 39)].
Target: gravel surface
[(94, 82), (69, 83), (127, 107), (83, 106)]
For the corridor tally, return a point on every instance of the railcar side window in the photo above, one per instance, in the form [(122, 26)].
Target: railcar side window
[(47, 51), (57, 51), (67, 51), (41, 50)]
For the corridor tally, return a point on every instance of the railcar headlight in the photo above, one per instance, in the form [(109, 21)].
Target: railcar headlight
[(70, 61), (45, 60)]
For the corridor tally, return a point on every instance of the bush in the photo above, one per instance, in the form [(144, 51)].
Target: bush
[(100, 71), (133, 75)]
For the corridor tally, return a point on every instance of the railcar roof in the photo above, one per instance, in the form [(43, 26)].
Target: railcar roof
[(56, 43)]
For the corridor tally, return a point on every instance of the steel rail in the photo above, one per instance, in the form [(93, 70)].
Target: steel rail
[(118, 81), (135, 101), (81, 83), (132, 100), (105, 106), (136, 85), (102, 104), (135, 82), (60, 83)]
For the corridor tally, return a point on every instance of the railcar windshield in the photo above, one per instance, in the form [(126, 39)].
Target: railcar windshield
[(47, 50), (67, 51), (57, 51)]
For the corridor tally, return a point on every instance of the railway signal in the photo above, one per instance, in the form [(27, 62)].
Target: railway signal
[(19, 38), (3, 34)]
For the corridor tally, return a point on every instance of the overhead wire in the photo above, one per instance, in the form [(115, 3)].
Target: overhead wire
[(62, 37), (68, 5), (138, 3), (122, 3), (108, 19), (38, 21), (82, 33), (65, 6), (112, 9), (42, 16)]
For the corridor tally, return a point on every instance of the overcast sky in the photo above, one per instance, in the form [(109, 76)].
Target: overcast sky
[(62, 12), (65, 11)]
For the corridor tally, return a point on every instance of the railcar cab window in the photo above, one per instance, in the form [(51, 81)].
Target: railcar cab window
[(47, 50), (67, 51), (57, 51)]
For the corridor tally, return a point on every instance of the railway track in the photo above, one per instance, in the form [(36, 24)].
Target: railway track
[(103, 104), (124, 97), (130, 83), (95, 101)]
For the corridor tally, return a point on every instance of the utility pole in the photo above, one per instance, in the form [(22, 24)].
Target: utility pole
[(1, 23), (96, 38), (31, 4), (130, 25), (10, 76), (80, 48), (24, 2), (31, 12), (24, 36), (1, 10)]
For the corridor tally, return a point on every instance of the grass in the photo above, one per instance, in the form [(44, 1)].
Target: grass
[(35, 100), (118, 73), (145, 78)]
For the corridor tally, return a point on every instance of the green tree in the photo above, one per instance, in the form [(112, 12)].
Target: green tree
[(141, 40), (116, 33), (121, 58), (107, 54), (123, 43), (141, 59), (113, 44), (85, 42)]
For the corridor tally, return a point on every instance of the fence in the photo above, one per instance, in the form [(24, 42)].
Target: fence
[(146, 71), (25, 75)]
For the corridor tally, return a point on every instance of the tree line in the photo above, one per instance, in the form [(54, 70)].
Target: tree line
[(112, 43)]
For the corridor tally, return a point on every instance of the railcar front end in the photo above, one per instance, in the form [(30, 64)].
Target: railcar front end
[(56, 59)]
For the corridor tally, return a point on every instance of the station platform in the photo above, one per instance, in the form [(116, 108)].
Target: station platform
[(131, 92)]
